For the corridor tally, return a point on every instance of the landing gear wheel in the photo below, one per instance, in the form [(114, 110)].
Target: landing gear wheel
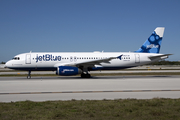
[(28, 77), (85, 75)]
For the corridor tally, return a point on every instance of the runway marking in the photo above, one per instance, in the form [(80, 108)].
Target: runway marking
[(87, 92)]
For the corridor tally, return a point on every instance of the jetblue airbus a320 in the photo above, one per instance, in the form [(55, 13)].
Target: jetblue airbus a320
[(71, 63)]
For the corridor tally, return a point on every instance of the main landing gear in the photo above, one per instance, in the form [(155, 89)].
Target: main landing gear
[(85, 75), (29, 75)]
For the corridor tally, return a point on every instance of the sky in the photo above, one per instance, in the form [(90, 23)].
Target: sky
[(86, 26)]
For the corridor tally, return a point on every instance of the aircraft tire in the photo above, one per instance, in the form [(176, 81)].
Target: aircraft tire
[(28, 77), (85, 76)]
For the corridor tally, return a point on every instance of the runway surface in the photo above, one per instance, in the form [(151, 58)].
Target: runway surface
[(95, 88), (108, 71)]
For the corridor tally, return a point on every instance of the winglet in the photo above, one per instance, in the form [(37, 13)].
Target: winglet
[(120, 57)]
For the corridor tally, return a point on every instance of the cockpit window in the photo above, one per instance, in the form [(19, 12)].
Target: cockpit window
[(16, 58)]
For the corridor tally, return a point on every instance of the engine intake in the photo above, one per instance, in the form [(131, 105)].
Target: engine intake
[(68, 70)]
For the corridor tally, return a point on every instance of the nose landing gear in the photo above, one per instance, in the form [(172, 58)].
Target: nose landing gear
[(29, 75)]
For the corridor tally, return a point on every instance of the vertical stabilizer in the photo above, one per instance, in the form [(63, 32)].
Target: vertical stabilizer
[(153, 43)]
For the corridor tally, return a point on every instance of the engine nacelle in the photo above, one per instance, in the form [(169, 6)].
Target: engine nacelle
[(68, 70)]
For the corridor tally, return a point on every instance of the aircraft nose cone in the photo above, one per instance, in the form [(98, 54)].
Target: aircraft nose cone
[(8, 64)]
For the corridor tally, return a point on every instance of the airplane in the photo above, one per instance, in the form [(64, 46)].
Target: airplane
[(73, 63)]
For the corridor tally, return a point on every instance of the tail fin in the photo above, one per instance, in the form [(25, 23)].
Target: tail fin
[(153, 43)]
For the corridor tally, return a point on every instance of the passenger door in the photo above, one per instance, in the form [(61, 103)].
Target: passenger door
[(28, 58), (137, 58)]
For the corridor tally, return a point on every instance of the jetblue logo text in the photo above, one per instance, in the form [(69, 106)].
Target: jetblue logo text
[(48, 57), (68, 70), (152, 46)]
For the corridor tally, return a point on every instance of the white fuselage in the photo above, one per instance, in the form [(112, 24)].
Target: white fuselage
[(50, 61)]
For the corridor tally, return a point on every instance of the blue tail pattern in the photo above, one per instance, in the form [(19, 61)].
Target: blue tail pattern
[(153, 43)]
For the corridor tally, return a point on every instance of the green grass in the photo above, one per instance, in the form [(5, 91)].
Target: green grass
[(125, 109)]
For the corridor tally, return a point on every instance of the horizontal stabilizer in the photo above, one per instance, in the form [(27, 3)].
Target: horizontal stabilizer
[(162, 56)]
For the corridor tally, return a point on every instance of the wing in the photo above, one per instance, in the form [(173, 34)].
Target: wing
[(94, 62), (90, 63)]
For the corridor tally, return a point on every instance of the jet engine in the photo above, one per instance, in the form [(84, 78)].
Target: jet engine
[(68, 70)]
